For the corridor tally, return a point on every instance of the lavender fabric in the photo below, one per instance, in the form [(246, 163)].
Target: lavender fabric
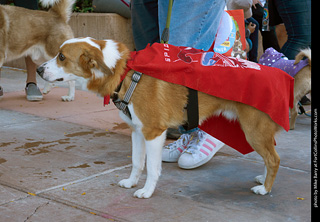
[(273, 58)]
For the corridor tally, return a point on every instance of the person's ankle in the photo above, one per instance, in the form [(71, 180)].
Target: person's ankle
[(1, 92), (28, 83)]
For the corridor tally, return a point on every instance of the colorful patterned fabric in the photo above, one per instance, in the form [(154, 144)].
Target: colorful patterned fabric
[(273, 58)]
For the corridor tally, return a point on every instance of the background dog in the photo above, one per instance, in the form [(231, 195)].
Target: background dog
[(302, 84), (37, 34), (298, 68)]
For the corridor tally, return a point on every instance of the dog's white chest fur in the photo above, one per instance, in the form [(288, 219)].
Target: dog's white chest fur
[(134, 122)]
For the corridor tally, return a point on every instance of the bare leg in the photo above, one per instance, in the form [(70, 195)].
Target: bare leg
[(31, 70), (1, 63), (1, 89), (33, 93)]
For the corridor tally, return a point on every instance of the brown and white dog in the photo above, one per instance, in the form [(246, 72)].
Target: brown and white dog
[(35, 33), (102, 62)]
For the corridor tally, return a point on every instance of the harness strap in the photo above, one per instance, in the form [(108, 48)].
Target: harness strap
[(192, 110), (123, 104)]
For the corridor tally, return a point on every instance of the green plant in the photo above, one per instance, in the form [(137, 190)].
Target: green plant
[(83, 6)]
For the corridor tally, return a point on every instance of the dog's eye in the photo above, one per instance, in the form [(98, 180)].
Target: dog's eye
[(61, 57)]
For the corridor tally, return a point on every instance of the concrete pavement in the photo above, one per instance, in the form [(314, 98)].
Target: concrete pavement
[(61, 161)]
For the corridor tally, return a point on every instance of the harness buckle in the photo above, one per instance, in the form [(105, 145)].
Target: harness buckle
[(136, 76), (123, 104)]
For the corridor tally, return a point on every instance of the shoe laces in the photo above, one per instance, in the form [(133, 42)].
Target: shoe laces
[(195, 138), (181, 142)]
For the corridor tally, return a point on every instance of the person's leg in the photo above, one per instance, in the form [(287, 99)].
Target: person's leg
[(31, 66), (1, 89), (33, 93), (192, 24), (144, 19), (145, 28), (269, 38), (296, 15), (31, 70), (2, 2), (254, 37), (195, 25)]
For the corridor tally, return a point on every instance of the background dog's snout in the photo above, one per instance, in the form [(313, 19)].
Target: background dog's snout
[(40, 70)]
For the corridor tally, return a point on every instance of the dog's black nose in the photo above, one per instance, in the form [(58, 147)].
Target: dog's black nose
[(40, 70)]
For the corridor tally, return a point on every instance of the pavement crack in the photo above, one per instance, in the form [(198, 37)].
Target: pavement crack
[(45, 204)]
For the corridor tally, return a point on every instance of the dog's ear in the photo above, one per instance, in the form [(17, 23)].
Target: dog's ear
[(102, 66), (86, 62), (90, 61)]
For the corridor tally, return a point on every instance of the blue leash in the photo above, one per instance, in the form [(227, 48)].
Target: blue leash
[(302, 110)]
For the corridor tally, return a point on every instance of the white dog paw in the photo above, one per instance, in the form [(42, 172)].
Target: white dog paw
[(127, 183), (259, 190), (67, 98), (47, 88), (44, 91), (143, 193), (260, 179)]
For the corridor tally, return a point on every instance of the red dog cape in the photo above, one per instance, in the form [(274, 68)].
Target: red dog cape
[(265, 88)]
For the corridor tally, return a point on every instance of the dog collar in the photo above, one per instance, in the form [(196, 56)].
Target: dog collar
[(123, 104)]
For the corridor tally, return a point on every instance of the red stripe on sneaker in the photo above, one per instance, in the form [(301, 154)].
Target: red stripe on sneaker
[(208, 147), (205, 152), (211, 142), (180, 149)]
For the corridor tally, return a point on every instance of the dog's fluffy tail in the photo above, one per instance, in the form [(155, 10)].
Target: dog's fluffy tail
[(63, 8), (303, 53)]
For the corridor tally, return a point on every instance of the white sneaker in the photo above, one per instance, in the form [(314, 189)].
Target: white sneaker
[(172, 151), (200, 149)]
